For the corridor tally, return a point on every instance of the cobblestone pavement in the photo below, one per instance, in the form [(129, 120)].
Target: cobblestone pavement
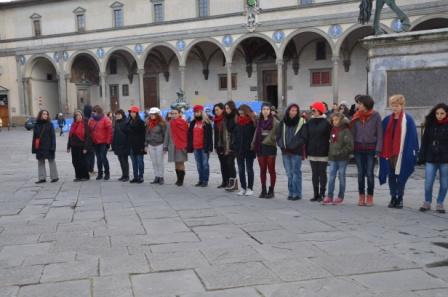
[(115, 239)]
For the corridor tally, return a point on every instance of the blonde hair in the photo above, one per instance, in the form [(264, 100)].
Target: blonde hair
[(397, 99), (338, 115)]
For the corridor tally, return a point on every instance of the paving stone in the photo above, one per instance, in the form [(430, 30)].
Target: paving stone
[(231, 255), (69, 271), (166, 284), (363, 263), (400, 281), (123, 265), (9, 291), (244, 292), (50, 259), (297, 269), (112, 286), (432, 293), (351, 245), (176, 260), (79, 288), (20, 275), (235, 275)]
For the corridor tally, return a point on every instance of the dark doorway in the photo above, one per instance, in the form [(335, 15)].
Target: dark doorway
[(4, 111), (151, 92), (270, 87), (114, 98)]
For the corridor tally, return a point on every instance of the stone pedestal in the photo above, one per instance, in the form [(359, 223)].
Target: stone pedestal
[(414, 64)]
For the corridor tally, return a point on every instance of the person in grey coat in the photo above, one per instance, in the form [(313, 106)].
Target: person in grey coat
[(155, 138)]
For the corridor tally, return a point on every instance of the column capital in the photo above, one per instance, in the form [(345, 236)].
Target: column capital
[(141, 71), (182, 68), (279, 62), (67, 76), (103, 75), (335, 59)]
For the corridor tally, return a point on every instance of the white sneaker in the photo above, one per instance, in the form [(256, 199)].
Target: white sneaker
[(242, 192), (249, 192)]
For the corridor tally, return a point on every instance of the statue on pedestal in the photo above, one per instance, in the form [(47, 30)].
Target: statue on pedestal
[(252, 15), (180, 103), (365, 12)]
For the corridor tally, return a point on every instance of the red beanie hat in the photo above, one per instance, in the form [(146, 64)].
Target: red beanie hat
[(198, 108), (319, 106), (134, 108)]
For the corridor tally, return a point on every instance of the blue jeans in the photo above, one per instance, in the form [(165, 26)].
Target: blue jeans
[(430, 176), (138, 165), (246, 163), (293, 168), (337, 168), (201, 158), (101, 158), (396, 187), (365, 161)]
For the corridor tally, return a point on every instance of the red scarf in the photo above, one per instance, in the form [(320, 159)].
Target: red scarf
[(442, 122), (391, 147), (78, 130), (153, 122), (335, 134), (218, 120), (363, 117), (179, 131), (244, 120)]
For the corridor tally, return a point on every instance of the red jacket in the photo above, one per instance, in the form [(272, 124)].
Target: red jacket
[(101, 131)]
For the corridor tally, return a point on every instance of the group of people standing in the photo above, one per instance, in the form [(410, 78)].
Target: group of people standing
[(239, 136)]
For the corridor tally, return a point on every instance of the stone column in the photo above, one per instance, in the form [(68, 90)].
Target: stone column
[(182, 77), (141, 73), (229, 80), (335, 79), (20, 86), (280, 83), (67, 79), (62, 92), (103, 78)]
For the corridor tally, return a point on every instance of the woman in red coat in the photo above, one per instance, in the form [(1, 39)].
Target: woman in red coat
[(101, 132)]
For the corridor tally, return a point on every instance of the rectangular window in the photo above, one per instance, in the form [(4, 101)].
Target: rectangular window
[(203, 8), (118, 18), (159, 15), (113, 66), (223, 82), (320, 78), (81, 22), (305, 2), (125, 90), (321, 50), (37, 29)]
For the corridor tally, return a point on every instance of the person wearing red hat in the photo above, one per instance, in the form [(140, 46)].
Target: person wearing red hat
[(101, 132), (200, 142), (137, 133), (318, 145)]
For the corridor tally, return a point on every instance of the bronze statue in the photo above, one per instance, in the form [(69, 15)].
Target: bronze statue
[(365, 12)]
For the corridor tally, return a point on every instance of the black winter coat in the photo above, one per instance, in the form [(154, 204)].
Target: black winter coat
[(120, 141), (137, 136), (242, 140), (434, 148), (45, 131), (208, 137), (291, 140), (74, 141), (318, 144)]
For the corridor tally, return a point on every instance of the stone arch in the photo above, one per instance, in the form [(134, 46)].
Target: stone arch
[(427, 18), (197, 41), (69, 64), (33, 59), (161, 44), (117, 49), (234, 47), (291, 36), (351, 29)]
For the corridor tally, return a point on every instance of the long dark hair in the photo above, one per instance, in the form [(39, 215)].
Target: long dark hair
[(220, 105), (248, 112), (431, 117), (265, 104), (39, 116), (231, 104), (123, 114)]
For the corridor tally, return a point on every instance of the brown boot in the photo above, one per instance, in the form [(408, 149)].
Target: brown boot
[(362, 200), (369, 200)]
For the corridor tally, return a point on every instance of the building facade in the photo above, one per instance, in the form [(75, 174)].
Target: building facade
[(60, 55)]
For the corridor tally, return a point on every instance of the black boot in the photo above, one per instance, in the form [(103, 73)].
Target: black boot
[(178, 178), (393, 202), (270, 193), (263, 192), (107, 176), (181, 177), (399, 203), (99, 176), (223, 185), (161, 181), (156, 180), (316, 194)]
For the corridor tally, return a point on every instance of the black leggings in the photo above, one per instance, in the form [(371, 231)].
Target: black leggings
[(79, 162), (228, 166), (319, 172), (124, 164)]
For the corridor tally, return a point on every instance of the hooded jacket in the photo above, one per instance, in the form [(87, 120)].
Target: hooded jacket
[(292, 134)]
